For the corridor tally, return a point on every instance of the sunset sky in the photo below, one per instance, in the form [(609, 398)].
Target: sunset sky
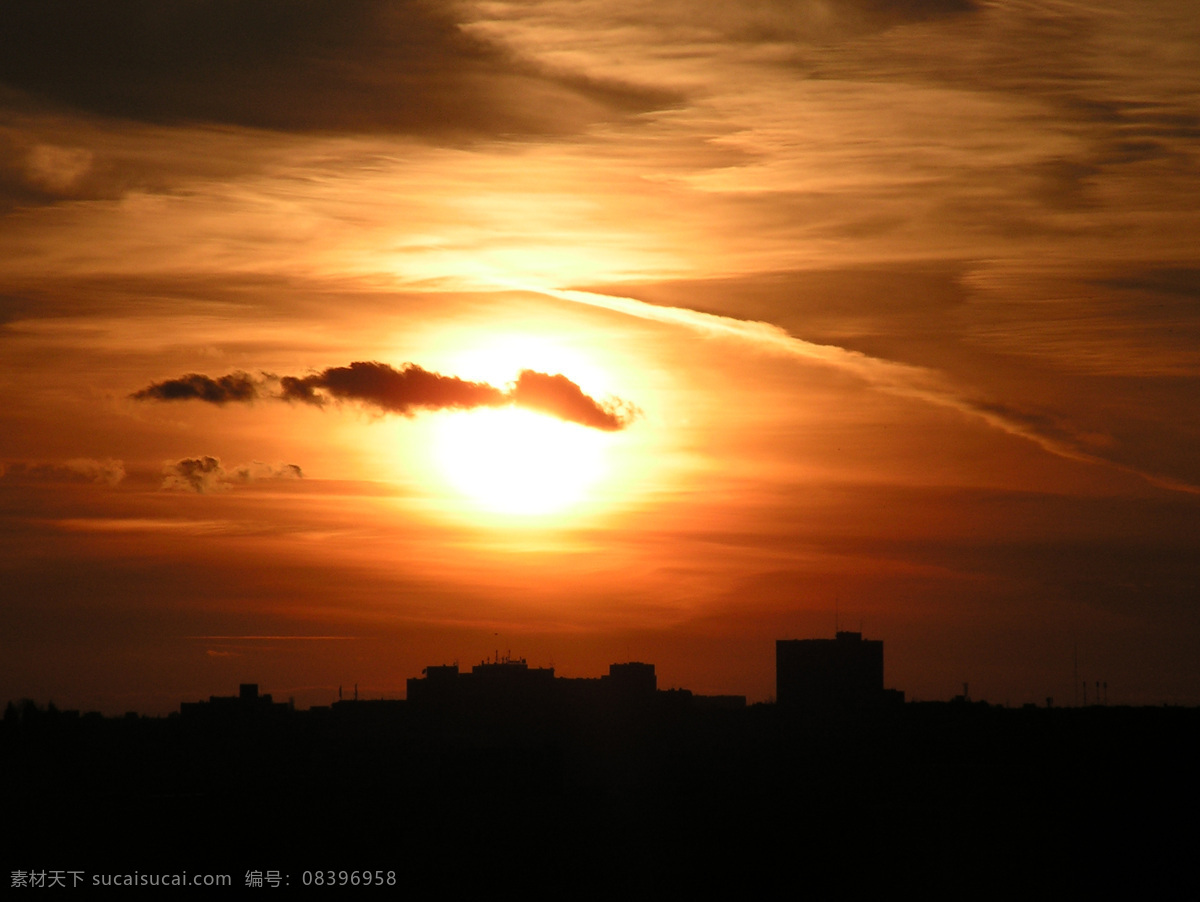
[(882, 314)]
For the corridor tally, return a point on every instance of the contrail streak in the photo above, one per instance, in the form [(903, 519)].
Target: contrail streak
[(900, 379)]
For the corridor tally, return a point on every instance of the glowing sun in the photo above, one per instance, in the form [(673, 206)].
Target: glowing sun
[(515, 461)]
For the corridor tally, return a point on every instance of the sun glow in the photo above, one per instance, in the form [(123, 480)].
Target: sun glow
[(515, 461)]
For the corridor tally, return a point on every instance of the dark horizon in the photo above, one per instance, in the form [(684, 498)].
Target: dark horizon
[(845, 672), (565, 774)]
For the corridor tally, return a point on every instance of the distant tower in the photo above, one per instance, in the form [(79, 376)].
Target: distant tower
[(846, 670)]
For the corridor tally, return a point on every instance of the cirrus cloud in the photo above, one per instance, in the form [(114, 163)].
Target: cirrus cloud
[(207, 474)]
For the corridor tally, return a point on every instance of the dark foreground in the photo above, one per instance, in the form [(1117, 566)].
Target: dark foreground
[(954, 798)]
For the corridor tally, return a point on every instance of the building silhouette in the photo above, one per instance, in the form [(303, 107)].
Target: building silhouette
[(247, 705), (843, 672), (506, 686), (508, 683)]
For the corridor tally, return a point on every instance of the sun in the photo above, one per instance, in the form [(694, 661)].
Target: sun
[(518, 462)]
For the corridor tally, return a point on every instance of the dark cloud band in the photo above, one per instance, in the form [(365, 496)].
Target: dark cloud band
[(397, 66), (392, 390), (193, 386), (405, 391)]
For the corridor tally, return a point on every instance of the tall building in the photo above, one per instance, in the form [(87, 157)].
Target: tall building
[(846, 671)]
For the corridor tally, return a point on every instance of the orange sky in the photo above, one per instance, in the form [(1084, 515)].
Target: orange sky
[(903, 301)]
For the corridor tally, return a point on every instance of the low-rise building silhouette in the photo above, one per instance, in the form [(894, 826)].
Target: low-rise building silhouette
[(508, 685), (246, 705)]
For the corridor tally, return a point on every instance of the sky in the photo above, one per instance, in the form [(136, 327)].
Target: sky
[(339, 338)]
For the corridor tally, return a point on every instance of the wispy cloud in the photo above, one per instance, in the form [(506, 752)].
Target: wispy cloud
[(327, 65), (80, 469), (900, 379), (206, 474)]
